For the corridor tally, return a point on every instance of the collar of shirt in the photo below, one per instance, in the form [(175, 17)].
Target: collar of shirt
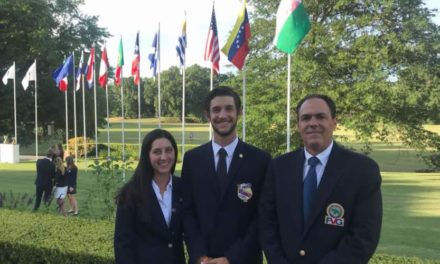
[(229, 149), (165, 201), (323, 158)]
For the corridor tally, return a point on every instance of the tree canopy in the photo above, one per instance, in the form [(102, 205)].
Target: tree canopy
[(46, 31), (379, 60)]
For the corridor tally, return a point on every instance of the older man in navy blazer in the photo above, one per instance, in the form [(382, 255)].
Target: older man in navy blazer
[(320, 203), (222, 181)]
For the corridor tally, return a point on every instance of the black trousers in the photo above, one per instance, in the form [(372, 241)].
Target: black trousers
[(39, 193)]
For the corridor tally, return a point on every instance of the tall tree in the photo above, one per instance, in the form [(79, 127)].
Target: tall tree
[(45, 30), (377, 59)]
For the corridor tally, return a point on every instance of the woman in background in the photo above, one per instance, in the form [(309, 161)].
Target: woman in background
[(71, 173), (60, 184), (148, 225)]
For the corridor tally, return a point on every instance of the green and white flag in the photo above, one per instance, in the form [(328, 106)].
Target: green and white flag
[(292, 25)]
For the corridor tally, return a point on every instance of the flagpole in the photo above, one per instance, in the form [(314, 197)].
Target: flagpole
[(123, 124), (96, 111), (158, 65), (15, 109), (211, 87), (183, 107), (108, 122), (74, 110), (288, 102), (36, 114), (84, 122), (243, 119), (67, 121), (139, 114)]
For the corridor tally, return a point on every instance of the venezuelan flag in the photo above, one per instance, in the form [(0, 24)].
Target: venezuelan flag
[(237, 47)]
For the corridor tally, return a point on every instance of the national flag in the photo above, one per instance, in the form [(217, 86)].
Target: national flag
[(237, 46), (31, 75), (292, 25), (89, 68), (79, 72), (61, 73), (212, 52), (103, 68), (120, 63), (10, 74), (154, 54), (181, 45), (136, 61)]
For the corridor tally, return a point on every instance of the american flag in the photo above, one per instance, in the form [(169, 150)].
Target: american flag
[(212, 50)]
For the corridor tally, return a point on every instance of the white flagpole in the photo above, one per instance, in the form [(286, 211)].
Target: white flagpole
[(96, 111), (139, 115), (74, 110), (84, 123), (211, 87), (36, 114), (158, 65), (15, 110), (67, 120), (243, 119), (108, 121), (288, 102), (183, 105), (123, 123)]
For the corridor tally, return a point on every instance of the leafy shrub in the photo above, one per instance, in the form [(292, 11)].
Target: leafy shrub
[(40, 238), (109, 178), (90, 146)]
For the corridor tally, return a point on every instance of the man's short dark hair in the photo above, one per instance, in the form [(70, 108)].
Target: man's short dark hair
[(328, 100), (222, 91)]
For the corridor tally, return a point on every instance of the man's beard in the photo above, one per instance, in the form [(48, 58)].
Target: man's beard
[(227, 133)]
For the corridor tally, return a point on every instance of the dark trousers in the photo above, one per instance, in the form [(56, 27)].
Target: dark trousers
[(47, 193)]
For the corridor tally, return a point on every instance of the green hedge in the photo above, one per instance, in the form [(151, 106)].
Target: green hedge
[(40, 238)]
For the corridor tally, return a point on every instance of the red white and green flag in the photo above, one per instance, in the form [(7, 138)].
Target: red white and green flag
[(292, 25), (120, 63)]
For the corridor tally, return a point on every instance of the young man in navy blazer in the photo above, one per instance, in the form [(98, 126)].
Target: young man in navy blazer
[(333, 216), (221, 191)]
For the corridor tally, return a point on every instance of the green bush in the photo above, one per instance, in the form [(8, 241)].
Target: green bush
[(39, 238)]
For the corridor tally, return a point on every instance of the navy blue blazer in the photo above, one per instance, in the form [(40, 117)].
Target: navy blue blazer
[(45, 173), (147, 239), (223, 223), (346, 215)]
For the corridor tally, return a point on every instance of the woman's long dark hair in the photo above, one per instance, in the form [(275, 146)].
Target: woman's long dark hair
[(134, 193)]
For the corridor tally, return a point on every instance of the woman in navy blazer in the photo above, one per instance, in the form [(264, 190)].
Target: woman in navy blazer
[(148, 225)]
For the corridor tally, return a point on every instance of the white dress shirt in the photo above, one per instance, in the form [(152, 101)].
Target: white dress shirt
[(229, 150), (165, 201), (323, 158)]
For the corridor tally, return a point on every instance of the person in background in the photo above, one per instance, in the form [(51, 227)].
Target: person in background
[(60, 184), (148, 226), (44, 181), (71, 175)]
